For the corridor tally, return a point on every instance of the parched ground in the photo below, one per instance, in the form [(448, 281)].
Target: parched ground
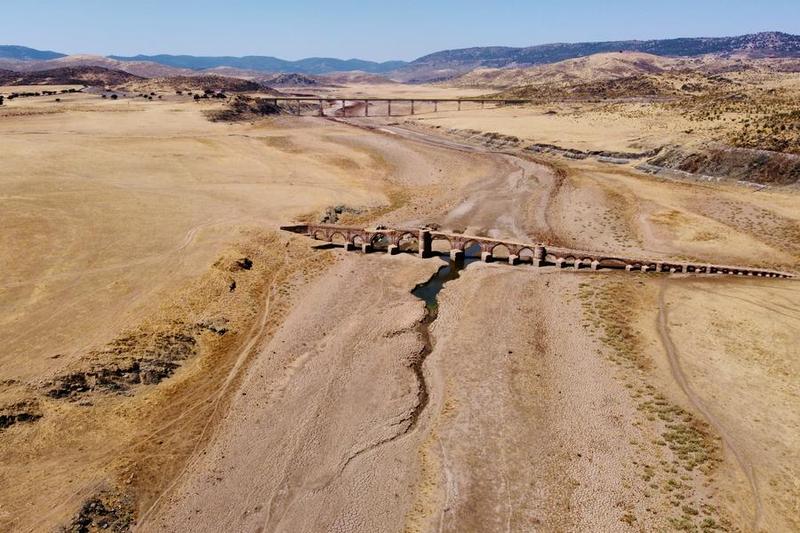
[(174, 363)]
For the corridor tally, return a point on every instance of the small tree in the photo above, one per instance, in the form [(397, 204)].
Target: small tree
[(113, 96), (1, 99)]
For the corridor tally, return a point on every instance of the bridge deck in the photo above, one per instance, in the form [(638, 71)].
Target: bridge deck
[(540, 253)]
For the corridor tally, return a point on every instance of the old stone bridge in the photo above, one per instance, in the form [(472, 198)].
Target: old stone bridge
[(424, 241)]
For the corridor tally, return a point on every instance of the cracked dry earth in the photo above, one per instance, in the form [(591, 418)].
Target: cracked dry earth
[(537, 400), (553, 401)]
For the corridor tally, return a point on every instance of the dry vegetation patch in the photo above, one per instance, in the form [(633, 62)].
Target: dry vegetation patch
[(679, 462), (177, 368)]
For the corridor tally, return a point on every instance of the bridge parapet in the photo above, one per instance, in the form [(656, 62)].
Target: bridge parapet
[(421, 240)]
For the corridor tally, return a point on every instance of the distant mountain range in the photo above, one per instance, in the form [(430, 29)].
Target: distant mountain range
[(449, 63), (311, 65), (23, 53)]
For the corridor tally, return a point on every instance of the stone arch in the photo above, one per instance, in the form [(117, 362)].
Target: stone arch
[(525, 255), (611, 262), (319, 235), (337, 237), (407, 242), (358, 240), (380, 241), (472, 248), (440, 244), (500, 250)]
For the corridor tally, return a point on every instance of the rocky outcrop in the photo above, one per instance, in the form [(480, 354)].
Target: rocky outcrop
[(741, 164)]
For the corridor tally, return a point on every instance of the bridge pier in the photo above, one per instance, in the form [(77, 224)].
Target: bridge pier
[(424, 239), (513, 259), (366, 248), (390, 107), (645, 268), (393, 249), (628, 268), (435, 106), (321, 109), (595, 264), (486, 257), (659, 267), (344, 108), (559, 262), (412, 107), (456, 255), (459, 105), (538, 251), (348, 247), (576, 264), (366, 108)]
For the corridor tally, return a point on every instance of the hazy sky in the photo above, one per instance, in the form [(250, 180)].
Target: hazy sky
[(377, 30)]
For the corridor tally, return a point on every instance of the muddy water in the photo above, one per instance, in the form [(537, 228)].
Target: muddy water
[(429, 293)]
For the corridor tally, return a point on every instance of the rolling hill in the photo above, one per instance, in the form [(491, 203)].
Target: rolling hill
[(90, 76), (451, 63)]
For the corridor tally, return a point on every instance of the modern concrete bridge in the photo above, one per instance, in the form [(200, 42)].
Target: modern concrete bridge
[(421, 242), (320, 103)]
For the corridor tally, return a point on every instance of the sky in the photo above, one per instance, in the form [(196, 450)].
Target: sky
[(377, 30)]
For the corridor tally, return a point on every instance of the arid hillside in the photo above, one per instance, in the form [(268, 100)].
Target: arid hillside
[(94, 76)]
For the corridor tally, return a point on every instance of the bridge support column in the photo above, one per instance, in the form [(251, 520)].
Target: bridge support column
[(628, 268), (321, 109), (348, 247), (435, 106), (513, 259), (538, 252), (486, 257), (459, 105), (456, 255), (390, 107), (684, 268), (366, 108), (645, 268), (595, 264), (366, 247), (344, 109), (576, 264), (708, 269), (559, 262), (412, 107), (424, 239), (297, 107), (393, 249), (659, 267)]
